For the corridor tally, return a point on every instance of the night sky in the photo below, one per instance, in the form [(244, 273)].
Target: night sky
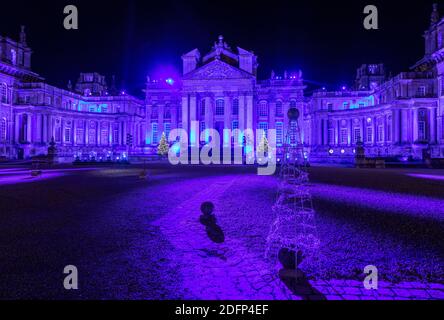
[(132, 39)]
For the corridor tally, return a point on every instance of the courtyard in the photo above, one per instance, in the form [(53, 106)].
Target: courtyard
[(134, 238)]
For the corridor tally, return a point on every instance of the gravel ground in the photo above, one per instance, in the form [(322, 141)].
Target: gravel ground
[(103, 221)]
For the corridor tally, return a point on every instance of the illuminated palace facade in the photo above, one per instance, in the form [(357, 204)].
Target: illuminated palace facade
[(87, 120), (400, 117)]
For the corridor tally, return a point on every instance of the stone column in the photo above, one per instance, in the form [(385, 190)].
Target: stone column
[(98, 133), (325, 124), (242, 113), (250, 112), (17, 128), (208, 114), (45, 129), (110, 133), (193, 131), (227, 112), (29, 129), (74, 129), (185, 125), (395, 126), (272, 115), (432, 125), (415, 125)]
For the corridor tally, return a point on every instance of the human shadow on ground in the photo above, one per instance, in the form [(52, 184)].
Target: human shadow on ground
[(208, 219), (294, 278)]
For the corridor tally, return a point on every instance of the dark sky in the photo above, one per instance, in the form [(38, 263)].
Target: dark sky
[(131, 39)]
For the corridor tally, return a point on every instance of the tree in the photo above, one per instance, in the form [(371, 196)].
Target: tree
[(263, 145), (163, 148)]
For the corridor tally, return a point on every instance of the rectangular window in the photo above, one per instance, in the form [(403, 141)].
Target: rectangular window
[(104, 140), (235, 125), (421, 91), (389, 132), (116, 136), (357, 135), (2, 130), (235, 107), (344, 136), (330, 107), (202, 108), (279, 133), (167, 129), (154, 133), (279, 109), (220, 107), (79, 134), (369, 134), (346, 105), (263, 126), (421, 131), (67, 135), (380, 133), (331, 136), (263, 109), (92, 109)]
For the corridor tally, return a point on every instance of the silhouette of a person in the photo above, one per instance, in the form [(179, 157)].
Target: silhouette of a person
[(208, 219)]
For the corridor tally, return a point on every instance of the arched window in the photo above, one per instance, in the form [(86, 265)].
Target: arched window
[(220, 107), (2, 130), (154, 113), (3, 93), (293, 104), (279, 109), (235, 107), (263, 109), (167, 112)]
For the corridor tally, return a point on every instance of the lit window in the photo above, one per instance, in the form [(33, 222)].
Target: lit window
[(167, 129), (2, 130), (279, 109), (220, 107), (3, 93), (279, 133), (154, 133), (263, 128), (235, 125), (346, 105)]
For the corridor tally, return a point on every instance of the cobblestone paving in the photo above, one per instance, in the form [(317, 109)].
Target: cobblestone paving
[(230, 272)]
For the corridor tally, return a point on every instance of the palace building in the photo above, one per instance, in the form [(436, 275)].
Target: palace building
[(394, 117)]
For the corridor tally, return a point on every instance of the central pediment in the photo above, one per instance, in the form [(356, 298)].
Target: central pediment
[(217, 70)]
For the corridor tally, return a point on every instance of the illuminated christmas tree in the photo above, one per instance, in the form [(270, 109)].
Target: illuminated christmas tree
[(163, 148), (294, 229)]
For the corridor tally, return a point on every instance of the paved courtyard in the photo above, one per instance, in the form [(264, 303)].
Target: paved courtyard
[(141, 239)]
